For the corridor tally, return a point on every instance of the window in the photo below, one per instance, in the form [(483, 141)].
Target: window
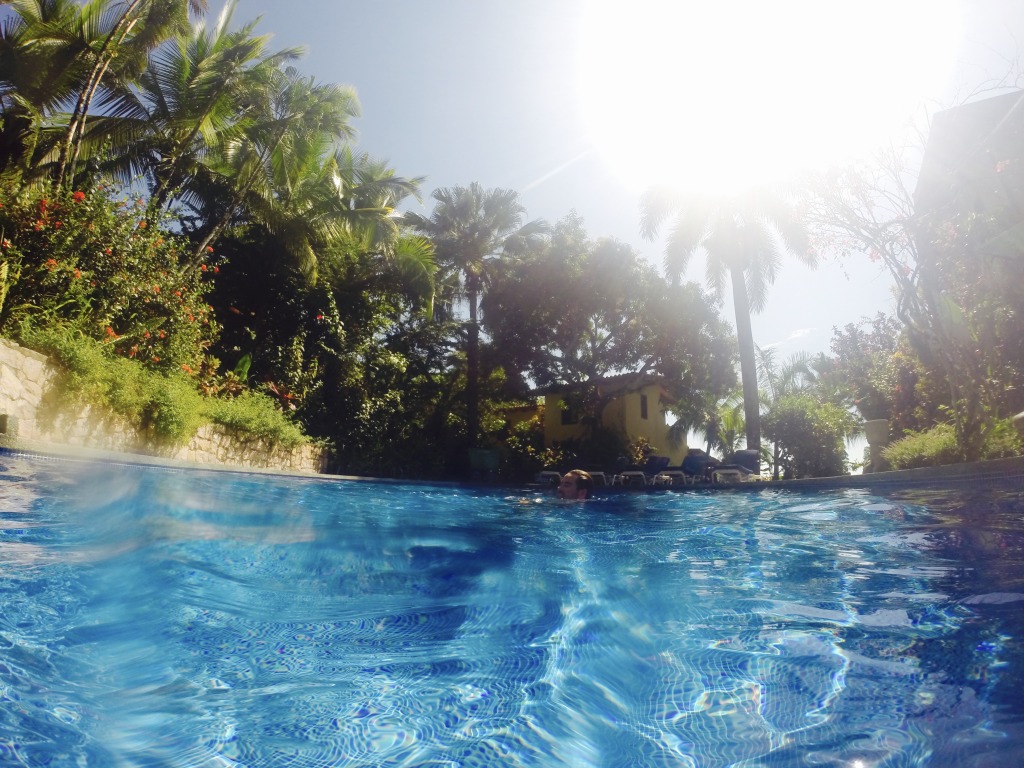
[(569, 416), (643, 406)]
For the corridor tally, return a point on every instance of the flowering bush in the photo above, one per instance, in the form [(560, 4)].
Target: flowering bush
[(89, 261)]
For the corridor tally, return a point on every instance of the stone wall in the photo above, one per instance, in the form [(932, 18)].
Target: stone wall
[(30, 418)]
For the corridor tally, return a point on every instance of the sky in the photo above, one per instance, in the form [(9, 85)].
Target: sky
[(569, 102)]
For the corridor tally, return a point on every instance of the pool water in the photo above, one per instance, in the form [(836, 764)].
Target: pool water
[(156, 617)]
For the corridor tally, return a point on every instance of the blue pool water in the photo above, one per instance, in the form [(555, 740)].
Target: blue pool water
[(153, 617)]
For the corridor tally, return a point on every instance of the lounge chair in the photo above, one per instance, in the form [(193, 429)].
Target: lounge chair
[(674, 476), (548, 477), (728, 473), (644, 475)]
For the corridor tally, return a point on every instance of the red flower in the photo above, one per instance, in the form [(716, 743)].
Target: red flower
[(156, 359), (142, 225), (57, 224), (108, 251), (156, 289), (209, 249), (6, 243), (78, 196), (39, 225), (216, 270), (202, 267), (78, 273)]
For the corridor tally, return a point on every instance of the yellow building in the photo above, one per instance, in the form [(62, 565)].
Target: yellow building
[(634, 409)]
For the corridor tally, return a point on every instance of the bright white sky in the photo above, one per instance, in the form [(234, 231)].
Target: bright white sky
[(577, 103)]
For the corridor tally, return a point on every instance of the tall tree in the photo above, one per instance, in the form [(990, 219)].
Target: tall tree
[(577, 311), (129, 31), (199, 89), (743, 236), (779, 379), (947, 230), (471, 227), (298, 122), (42, 53)]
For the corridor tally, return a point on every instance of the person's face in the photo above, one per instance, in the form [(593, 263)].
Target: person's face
[(568, 489)]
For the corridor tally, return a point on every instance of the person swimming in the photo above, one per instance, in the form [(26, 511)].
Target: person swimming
[(575, 485)]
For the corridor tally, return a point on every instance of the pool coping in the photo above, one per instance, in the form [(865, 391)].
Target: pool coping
[(55, 452), (950, 474)]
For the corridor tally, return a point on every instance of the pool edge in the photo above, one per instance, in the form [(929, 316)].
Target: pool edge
[(950, 474)]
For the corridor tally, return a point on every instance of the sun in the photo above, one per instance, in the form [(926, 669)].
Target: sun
[(716, 96)]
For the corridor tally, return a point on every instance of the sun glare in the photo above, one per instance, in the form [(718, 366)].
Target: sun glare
[(720, 95)]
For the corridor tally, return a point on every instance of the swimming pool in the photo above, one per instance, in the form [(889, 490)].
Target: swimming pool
[(158, 617)]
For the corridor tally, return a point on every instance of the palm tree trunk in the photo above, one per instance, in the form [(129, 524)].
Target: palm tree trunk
[(473, 372), (71, 146), (237, 199), (748, 362)]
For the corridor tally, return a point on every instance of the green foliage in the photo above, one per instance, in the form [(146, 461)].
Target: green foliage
[(92, 374), (256, 415), (165, 402), (930, 448), (577, 311), (92, 263), (1002, 440), (811, 435), (879, 372), (639, 450), (175, 410), (525, 454), (948, 246), (939, 446)]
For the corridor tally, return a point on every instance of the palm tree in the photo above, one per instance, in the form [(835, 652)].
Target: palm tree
[(198, 89), (743, 236), (59, 57), (127, 33), (470, 226), (42, 50), (725, 426), (319, 199), (297, 123), (796, 373)]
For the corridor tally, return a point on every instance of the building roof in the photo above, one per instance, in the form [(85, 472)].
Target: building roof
[(620, 381)]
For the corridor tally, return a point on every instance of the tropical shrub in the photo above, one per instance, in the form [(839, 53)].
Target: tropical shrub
[(811, 435), (255, 414), (93, 263), (166, 402), (1002, 440), (928, 448), (525, 454), (938, 446)]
